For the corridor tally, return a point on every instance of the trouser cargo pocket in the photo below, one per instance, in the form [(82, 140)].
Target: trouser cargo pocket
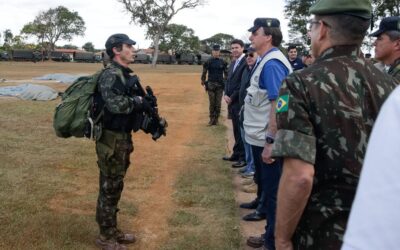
[(113, 153)]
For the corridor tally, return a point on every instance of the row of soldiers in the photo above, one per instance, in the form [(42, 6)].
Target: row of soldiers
[(308, 130)]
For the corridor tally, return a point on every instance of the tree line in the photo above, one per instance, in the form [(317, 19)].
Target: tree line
[(59, 23), (56, 24), (297, 12)]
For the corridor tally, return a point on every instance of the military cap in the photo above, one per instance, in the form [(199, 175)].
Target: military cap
[(265, 22), (248, 48), (116, 39), (388, 24), (357, 8), (216, 47)]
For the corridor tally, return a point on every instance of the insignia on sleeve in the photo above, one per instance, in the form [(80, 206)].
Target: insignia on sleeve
[(282, 105)]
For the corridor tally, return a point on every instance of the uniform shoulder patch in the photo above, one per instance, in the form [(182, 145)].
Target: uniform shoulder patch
[(282, 105)]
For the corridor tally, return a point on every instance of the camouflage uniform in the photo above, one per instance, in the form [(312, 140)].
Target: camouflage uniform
[(115, 145), (394, 69), (325, 115), (217, 70), (388, 24)]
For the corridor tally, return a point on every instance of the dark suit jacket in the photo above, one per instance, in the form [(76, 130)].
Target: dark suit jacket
[(232, 85)]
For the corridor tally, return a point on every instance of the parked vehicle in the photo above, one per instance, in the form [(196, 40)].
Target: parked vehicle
[(97, 58), (142, 58), (202, 58), (165, 59), (4, 56), (84, 57), (59, 56), (186, 58), (22, 55)]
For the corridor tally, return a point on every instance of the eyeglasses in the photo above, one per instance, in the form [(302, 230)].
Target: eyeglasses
[(311, 22)]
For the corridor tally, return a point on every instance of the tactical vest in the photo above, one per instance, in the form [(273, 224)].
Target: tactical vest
[(126, 84), (257, 106), (215, 69)]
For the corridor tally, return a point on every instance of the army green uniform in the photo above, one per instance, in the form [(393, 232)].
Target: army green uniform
[(389, 24), (113, 148), (217, 70), (394, 70), (325, 114)]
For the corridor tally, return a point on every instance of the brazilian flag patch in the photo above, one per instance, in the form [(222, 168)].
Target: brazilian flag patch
[(282, 104)]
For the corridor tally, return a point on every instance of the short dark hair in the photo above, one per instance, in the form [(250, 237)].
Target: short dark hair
[(345, 29), (291, 47), (276, 34), (110, 52), (238, 41), (393, 35)]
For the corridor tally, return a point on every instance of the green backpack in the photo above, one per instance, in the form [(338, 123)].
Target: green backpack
[(73, 115)]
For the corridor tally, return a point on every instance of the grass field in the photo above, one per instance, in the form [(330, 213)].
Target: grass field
[(178, 193)]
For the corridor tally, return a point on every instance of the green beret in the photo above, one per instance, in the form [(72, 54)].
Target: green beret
[(358, 8)]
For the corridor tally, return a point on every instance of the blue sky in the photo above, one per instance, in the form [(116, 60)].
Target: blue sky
[(105, 17)]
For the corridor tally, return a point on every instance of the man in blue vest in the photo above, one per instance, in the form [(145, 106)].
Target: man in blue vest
[(259, 115)]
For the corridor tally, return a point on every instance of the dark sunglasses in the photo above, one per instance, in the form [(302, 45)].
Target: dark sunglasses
[(250, 54)]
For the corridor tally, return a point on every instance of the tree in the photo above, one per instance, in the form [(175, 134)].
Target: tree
[(69, 46), (18, 42), (383, 8), (8, 38), (155, 15), (297, 11), (88, 47), (54, 25), (179, 39), (223, 40)]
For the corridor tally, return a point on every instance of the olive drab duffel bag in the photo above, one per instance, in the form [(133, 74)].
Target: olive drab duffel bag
[(73, 115)]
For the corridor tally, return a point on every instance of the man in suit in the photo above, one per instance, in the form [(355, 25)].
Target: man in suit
[(231, 97)]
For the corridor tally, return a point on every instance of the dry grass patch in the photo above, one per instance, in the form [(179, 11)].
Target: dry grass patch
[(176, 187)]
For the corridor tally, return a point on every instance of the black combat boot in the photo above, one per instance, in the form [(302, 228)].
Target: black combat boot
[(215, 120), (211, 122), (109, 244)]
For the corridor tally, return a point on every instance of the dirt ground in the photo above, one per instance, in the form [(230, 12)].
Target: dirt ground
[(187, 113)]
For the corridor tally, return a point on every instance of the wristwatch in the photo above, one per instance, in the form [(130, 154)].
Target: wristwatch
[(269, 140)]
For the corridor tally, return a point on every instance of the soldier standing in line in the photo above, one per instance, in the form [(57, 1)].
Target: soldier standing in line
[(387, 44), (217, 70), (123, 106), (325, 115)]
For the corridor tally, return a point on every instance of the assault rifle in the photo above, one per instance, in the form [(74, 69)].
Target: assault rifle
[(152, 122)]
